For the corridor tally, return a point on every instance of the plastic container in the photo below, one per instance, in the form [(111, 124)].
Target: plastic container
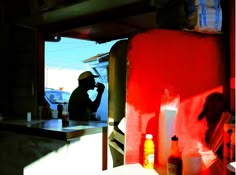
[(192, 164), (166, 124), (149, 150)]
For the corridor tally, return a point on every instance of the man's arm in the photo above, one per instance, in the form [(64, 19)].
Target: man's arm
[(97, 101)]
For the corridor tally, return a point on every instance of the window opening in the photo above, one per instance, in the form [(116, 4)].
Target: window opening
[(67, 59)]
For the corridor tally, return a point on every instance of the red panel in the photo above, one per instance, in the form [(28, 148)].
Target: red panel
[(186, 63)]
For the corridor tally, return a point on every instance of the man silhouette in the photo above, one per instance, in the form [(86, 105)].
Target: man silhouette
[(80, 106)]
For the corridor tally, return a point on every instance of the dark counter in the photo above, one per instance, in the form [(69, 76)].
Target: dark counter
[(53, 128), (29, 147)]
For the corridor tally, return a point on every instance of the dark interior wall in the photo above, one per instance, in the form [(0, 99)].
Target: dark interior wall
[(5, 70), (228, 29), (22, 70), (24, 79), (15, 10), (5, 66), (232, 53)]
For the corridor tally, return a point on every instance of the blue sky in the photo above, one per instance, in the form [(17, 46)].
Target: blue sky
[(69, 53)]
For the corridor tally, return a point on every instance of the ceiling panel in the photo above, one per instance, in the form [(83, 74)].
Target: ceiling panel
[(113, 29), (95, 20)]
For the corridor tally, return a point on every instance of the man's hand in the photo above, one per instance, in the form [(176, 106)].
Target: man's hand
[(100, 88)]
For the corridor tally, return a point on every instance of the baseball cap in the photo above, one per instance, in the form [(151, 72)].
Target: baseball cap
[(86, 74)]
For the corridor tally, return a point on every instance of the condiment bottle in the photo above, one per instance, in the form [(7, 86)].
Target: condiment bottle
[(59, 109), (149, 149), (65, 117), (174, 163)]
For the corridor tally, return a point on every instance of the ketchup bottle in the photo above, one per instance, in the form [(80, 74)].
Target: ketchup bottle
[(174, 164)]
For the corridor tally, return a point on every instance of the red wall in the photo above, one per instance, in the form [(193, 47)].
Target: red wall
[(186, 63)]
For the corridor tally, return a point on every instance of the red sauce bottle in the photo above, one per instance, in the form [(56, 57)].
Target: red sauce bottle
[(174, 164)]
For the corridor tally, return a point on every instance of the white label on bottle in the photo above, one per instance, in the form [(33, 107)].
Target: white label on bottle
[(172, 169), (151, 158)]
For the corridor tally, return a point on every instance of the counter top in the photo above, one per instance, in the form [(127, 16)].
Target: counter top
[(53, 128)]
